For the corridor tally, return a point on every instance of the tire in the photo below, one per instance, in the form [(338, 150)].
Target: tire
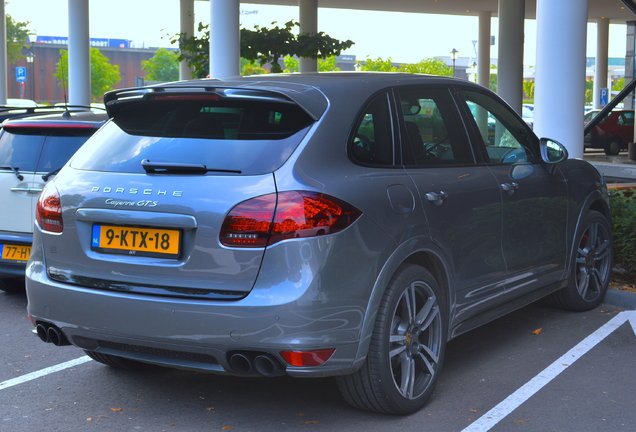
[(114, 361), (407, 347), (591, 266), (12, 285), (613, 148)]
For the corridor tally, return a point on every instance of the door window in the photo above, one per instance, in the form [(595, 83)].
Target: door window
[(434, 132), (507, 139)]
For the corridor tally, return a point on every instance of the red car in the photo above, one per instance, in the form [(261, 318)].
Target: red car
[(613, 133)]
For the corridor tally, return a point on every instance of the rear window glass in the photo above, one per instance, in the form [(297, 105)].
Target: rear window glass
[(249, 136), (40, 149)]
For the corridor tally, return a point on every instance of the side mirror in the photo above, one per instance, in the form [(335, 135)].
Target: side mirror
[(552, 152)]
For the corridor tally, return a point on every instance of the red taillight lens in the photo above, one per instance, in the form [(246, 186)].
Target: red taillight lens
[(49, 210), (307, 358), (268, 219)]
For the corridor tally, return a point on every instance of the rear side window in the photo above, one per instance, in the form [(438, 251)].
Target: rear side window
[(244, 136), (372, 141)]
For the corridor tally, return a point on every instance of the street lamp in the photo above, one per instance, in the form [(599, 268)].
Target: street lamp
[(30, 58), (454, 57)]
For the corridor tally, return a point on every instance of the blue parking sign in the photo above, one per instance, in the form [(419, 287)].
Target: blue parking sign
[(20, 74), (604, 97)]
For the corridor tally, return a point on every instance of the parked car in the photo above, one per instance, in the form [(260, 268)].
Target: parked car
[(32, 150), (613, 133), (332, 224)]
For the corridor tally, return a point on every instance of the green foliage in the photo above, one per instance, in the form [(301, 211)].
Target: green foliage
[(589, 91), (17, 37), (195, 50), (528, 89), (163, 66), (429, 66), (324, 65), (492, 85), (263, 45), (249, 68), (623, 204), (103, 74), (618, 84)]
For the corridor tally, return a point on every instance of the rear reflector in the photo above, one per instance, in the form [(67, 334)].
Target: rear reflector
[(49, 210), (269, 219), (307, 358)]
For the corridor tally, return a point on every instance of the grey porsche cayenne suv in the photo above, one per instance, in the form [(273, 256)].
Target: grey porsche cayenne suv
[(332, 224)]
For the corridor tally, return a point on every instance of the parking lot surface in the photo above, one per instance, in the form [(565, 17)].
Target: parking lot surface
[(593, 391)]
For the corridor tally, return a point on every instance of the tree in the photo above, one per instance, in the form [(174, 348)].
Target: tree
[(163, 66), (429, 66), (324, 65), (103, 74), (17, 37), (263, 45)]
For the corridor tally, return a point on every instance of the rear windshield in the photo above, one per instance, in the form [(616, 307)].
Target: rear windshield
[(40, 149), (246, 136)]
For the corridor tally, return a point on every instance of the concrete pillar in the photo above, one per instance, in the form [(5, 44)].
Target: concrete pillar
[(79, 53), (224, 38), (3, 55), (559, 92), (483, 49), (186, 25), (601, 66), (308, 14), (510, 66)]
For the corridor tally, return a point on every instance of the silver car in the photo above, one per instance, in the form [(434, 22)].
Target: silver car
[(332, 224)]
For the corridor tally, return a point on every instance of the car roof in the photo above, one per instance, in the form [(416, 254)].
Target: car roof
[(312, 91)]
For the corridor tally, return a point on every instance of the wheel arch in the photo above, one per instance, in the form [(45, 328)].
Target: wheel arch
[(418, 251)]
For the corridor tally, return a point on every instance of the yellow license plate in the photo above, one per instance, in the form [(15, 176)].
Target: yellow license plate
[(136, 241), (15, 252)]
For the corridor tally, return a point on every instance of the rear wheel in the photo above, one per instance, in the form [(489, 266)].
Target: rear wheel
[(407, 347), (114, 361), (591, 266), (613, 148)]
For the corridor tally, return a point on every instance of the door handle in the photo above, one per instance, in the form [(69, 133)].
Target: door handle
[(436, 198), (28, 190), (510, 188)]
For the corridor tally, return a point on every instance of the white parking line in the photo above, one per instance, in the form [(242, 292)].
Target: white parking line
[(512, 402), (43, 372)]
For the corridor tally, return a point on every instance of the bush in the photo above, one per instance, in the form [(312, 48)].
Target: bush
[(623, 204)]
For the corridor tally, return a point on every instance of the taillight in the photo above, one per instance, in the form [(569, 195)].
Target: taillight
[(268, 219), (49, 210)]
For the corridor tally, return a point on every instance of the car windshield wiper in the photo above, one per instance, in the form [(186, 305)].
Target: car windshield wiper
[(46, 176), (180, 168), (16, 171)]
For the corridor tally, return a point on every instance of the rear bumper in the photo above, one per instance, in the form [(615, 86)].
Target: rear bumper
[(312, 298)]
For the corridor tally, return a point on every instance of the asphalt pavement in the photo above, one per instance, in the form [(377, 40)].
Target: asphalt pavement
[(537, 369)]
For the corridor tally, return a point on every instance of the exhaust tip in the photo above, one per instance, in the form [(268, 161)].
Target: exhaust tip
[(56, 337), (241, 364), (267, 366), (42, 332)]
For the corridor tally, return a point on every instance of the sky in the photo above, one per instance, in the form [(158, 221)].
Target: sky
[(404, 37)]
